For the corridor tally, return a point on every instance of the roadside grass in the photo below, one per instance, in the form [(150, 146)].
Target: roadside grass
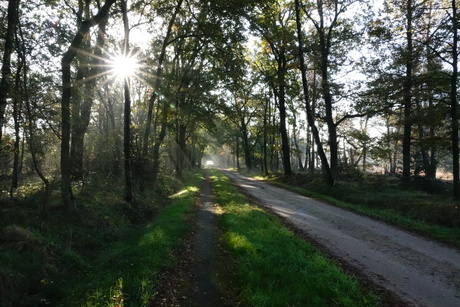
[(99, 257), (273, 266), (432, 215)]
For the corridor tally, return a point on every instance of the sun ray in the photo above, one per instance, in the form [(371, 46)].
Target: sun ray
[(116, 67), (124, 66)]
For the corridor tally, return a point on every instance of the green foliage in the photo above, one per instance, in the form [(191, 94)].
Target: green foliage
[(95, 257), (274, 267)]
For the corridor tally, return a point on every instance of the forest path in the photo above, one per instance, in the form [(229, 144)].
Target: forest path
[(205, 290), (199, 280), (419, 272)]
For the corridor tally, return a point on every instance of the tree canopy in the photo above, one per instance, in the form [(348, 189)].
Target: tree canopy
[(279, 85)]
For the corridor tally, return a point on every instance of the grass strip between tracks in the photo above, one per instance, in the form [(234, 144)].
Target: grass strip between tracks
[(273, 266)]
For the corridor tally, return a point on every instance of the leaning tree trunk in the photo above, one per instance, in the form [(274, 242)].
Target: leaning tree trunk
[(66, 188)]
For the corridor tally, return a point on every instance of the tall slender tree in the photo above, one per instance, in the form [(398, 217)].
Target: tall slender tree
[(310, 116), (127, 110), (5, 82), (454, 101)]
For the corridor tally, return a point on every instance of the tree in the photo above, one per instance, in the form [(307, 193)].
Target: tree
[(127, 110), (333, 33), (407, 92), (453, 100), (310, 116), (89, 68), (5, 83), (68, 57), (274, 25)]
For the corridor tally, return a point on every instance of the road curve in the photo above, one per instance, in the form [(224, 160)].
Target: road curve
[(418, 271)]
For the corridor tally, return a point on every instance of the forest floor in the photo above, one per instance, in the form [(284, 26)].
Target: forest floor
[(420, 272)]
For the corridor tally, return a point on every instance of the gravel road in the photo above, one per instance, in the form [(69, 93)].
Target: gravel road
[(418, 271)]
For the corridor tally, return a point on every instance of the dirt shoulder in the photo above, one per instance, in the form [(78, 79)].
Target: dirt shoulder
[(417, 271)]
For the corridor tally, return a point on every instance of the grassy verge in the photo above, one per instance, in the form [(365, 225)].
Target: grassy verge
[(275, 267), (98, 258), (429, 215), (126, 271)]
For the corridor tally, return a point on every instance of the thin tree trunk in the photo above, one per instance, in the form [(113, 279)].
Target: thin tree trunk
[(285, 148), (247, 151), (264, 146), (158, 142), (237, 153), (181, 149), (325, 41), (454, 105), (158, 80), (6, 61), (296, 143), (310, 117), (31, 123), (17, 110), (407, 97), (127, 112)]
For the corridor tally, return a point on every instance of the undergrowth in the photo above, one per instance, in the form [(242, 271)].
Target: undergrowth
[(105, 254), (274, 267)]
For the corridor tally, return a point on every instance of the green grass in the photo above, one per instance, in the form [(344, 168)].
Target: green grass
[(127, 270), (429, 215), (95, 258), (273, 266)]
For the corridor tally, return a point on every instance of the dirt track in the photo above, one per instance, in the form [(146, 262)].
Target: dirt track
[(418, 271)]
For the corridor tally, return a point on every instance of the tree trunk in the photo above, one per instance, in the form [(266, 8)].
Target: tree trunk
[(247, 151), (310, 117), (325, 41), (181, 149), (407, 97), (5, 83), (127, 112), (237, 153), (17, 110), (69, 55), (158, 80), (296, 143), (285, 148), (158, 142), (82, 114), (264, 145), (453, 104)]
